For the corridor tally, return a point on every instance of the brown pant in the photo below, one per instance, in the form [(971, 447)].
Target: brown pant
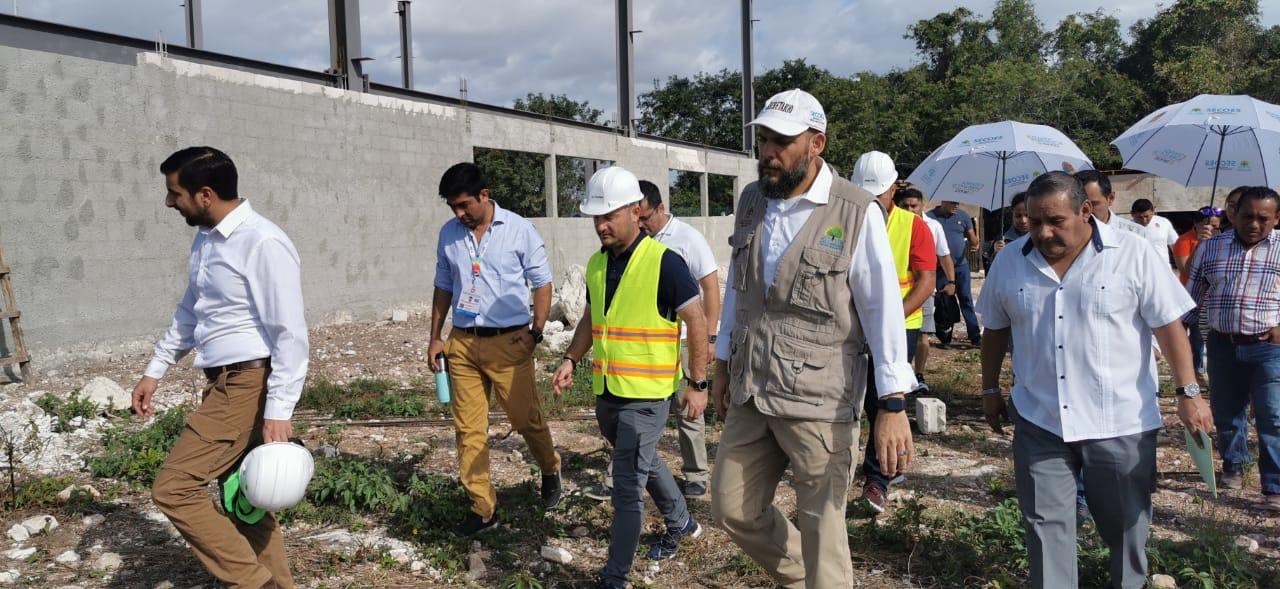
[(214, 441), (754, 451), (505, 364)]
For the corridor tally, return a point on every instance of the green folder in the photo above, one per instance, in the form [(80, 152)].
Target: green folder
[(1203, 457)]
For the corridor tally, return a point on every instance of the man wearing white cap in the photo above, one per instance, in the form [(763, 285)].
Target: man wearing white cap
[(811, 286), (915, 263), (639, 291)]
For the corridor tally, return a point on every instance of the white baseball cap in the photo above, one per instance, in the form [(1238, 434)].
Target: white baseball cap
[(874, 172), (792, 112), (610, 189)]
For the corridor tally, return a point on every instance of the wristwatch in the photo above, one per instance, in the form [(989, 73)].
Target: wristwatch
[(537, 335), (992, 392), (700, 385), (711, 339), (892, 404), (1190, 391)]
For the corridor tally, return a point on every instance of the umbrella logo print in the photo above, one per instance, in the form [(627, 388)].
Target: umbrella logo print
[(982, 140), (967, 187), (1168, 156), (1042, 140)]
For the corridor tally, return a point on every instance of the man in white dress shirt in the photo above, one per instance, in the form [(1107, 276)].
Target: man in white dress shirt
[(1081, 301), (1160, 231), (243, 314), (811, 284)]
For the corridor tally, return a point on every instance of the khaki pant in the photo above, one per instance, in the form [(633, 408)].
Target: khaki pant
[(504, 364), (215, 439), (754, 451)]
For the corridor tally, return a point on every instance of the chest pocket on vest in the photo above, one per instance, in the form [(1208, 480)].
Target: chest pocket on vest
[(820, 273), (741, 244)]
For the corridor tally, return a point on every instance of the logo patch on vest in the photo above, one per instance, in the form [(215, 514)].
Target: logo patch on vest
[(832, 239)]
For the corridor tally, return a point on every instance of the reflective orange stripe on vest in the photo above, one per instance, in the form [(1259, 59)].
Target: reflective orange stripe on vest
[(636, 334), (634, 370)]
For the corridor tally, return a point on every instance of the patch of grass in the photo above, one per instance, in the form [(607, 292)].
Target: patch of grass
[(571, 401), (520, 580), (66, 410), (41, 492), (396, 404), (324, 396), (135, 454)]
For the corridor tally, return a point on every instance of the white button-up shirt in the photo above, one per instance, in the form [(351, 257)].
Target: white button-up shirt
[(939, 236), (243, 302), (873, 280), (1084, 361)]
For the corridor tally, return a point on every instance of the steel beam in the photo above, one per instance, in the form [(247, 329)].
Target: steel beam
[(748, 79), (406, 44), (195, 23), (626, 67), (344, 41)]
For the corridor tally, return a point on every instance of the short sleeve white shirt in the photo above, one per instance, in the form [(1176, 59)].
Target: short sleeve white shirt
[(691, 246), (939, 238), (1084, 362)]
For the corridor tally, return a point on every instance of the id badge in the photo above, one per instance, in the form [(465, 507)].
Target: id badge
[(469, 302)]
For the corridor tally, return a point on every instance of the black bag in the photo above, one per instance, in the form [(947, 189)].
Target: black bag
[(946, 311)]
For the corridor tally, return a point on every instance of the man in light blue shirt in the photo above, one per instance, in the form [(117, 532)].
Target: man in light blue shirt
[(487, 259)]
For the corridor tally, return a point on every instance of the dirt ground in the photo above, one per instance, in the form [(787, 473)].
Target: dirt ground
[(968, 468)]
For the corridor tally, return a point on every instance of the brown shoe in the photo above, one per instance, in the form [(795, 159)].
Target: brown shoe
[(1233, 481), (873, 496)]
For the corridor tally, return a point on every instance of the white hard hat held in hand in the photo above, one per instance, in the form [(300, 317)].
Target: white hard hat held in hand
[(610, 189), (274, 476)]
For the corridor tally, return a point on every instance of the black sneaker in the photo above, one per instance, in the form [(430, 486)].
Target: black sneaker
[(603, 583), (552, 490), (694, 489), (474, 524), (665, 548)]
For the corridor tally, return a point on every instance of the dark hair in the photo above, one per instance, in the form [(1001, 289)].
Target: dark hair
[(198, 167), (905, 193), (1087, 177), (462, 178), (1018, 199), (1142, 205), (1055, 183), (651, 193), (1257, 193), (1236, 192)]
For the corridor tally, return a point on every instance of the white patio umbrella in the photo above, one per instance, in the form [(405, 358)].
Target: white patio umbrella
[(984, 165), (1208, 140)]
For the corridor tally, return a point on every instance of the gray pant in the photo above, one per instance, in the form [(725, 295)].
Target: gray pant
[(1119, 475), (693, 445), (634, 428)]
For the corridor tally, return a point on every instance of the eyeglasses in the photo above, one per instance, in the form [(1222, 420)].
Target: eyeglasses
[(1210, 212)]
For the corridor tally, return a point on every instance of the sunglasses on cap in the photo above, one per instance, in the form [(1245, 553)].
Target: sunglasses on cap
[(1210, 212)]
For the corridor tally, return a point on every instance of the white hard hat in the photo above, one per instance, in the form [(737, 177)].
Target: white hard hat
[(274, 476), (874, 172), (610, 189)]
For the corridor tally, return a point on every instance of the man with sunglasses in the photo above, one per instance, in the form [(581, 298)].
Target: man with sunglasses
[(1208, 224), (1235, 279)]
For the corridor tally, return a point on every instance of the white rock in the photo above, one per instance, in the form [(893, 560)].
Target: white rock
[(66, 493), (931, 415), (40, 523), (9, 577), (556, 554), (558, 341), (18, 533), (475, 566), (94, 520), (1249, 544), (552, 327), (400, 555), (417, 566), (68, 557), (399, 316), (20, 553), (107, 394), (109, 561), (1163, 582), (164, 585), (570, 297), (654, 568)]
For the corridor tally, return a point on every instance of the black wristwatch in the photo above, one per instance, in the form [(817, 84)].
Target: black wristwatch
[(537, 335), (701, 385), (892, 404), (711, 338)]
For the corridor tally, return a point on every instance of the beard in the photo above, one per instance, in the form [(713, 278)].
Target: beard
[(787, 180)]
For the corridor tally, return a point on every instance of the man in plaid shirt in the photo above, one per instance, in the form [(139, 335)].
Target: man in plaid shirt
[(1235, 278)]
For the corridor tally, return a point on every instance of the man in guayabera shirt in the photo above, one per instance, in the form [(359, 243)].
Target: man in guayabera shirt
[(242, 313)]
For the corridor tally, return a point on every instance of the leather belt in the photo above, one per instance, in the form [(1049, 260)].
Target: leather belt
[(1241, 339), (490, 331), (213, 372)]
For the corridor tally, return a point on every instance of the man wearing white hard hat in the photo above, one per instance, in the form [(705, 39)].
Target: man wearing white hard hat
[(915, 262), (811, 285), (639, 291)]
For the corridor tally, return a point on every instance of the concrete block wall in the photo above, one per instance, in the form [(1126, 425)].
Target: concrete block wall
[(99, 262)]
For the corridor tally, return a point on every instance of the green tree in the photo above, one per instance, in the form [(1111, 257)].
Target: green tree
[(1197, 47)]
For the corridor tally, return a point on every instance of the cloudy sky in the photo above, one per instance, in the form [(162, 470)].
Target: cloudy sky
[(506, 48)]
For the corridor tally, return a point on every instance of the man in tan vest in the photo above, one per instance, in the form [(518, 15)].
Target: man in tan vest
[(811, 289)]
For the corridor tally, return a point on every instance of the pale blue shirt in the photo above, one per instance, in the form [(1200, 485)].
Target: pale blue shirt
[(512, 258), (1084, 362)]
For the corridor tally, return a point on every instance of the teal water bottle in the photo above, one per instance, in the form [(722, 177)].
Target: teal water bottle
[(442, 380)]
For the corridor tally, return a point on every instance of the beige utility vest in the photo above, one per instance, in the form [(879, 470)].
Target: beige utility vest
[(798, 347)]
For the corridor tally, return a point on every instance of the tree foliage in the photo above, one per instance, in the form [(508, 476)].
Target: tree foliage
[(1081, 76)]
